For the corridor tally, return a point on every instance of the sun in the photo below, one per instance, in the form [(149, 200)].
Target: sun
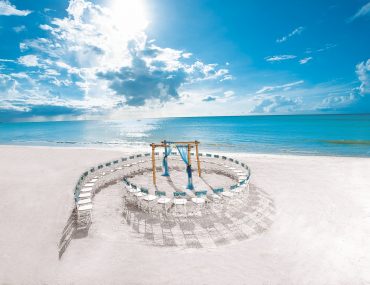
[(129, 16)]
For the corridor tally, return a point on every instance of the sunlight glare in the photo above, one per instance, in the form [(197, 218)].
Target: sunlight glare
[(129, 15)]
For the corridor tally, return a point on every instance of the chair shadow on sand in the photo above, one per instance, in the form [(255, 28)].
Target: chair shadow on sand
[(72, 231), (249, 216)]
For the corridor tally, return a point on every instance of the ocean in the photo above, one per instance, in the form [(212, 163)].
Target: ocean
[(339, 135)]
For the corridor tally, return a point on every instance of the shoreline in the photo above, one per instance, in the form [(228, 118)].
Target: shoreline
[(143, 149)]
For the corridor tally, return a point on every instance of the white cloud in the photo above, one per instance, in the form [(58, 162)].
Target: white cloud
[(29, 60), (45, 27), (325, 48), (362, 71), (277, 58), (20, 75), (7, 9), (186, 55), (305, 60), (296, 31), (6, 60), (363, 11), (102, 58), (229, 93), (284, 87), (277, 104), (356, 99), (19, 29)]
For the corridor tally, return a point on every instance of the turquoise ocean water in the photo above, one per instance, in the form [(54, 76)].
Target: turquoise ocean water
[(343, 135)]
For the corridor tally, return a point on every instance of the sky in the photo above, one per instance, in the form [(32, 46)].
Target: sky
[(117, 59)]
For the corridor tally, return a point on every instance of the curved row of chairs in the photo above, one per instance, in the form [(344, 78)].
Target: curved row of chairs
[(199, 200), (87, 185)]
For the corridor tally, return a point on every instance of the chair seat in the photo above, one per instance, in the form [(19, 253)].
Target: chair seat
[(214, 196), (237, 190), (163, 200), (198, 200), (140, 194), (85, 195), (86, 207), (86, 189), (227, 194), (180, 201), (84, 201), (132, 190), (149, 198)]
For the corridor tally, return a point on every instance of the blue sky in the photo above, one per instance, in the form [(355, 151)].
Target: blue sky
[(115, 59)]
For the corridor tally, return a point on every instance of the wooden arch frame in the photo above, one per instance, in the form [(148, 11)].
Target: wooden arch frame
[(165, 144)]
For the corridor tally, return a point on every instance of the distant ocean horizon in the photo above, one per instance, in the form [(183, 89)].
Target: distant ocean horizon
[(339, 135)]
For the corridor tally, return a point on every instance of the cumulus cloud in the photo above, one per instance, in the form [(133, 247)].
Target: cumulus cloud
[(305, 60), (29, 60), (276, 104), (362, 71), (144, 81), (7, 9), (284, 87), (363, 11), (277, 58), (356, 100), (104, 60), (296, 31)]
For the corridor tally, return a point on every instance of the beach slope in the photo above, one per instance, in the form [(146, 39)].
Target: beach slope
[(319, 235)]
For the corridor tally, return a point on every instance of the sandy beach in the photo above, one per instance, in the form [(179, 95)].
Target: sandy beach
[(319, 233)]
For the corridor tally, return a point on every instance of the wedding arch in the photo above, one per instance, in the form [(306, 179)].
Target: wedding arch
[(184, 149)]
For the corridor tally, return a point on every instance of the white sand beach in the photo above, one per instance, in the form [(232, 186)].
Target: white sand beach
[(319, 233)]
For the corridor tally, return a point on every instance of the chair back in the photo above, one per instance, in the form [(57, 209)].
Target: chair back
[(179, 194), (233, 187), (160, 193), (201, 193), (218, 190)]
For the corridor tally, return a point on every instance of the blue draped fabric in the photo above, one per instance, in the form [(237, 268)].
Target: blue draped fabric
[(183, 151), (167, 152)]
